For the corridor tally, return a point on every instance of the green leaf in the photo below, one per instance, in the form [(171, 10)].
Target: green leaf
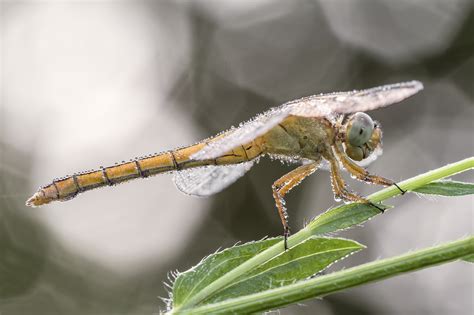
[(339, 280), (446, 188), (298, 263), (469, 258), (343, 217), (214, 266)]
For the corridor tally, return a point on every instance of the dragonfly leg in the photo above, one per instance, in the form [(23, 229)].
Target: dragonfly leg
[(361, 173), (340, 188), (283, 185)]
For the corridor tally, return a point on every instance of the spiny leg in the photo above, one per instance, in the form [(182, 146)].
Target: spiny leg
[(361, 173), (340, 189), (283, 185), (339, 186)]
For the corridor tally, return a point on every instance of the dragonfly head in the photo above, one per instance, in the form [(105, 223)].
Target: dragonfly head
[(362, 136)]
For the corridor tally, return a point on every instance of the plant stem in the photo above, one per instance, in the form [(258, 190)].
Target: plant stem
[(340, 280), (423, 179), (309, 230), (392, 191)]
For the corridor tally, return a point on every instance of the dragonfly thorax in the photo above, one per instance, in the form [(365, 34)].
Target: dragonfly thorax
[(303, 137)]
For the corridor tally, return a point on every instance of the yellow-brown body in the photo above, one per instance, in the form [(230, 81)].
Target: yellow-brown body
[(295, 136)]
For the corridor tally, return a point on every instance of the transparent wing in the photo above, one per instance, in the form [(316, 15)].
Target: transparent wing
[(354, 101), (208, 180), (243, 134), (323, 105)]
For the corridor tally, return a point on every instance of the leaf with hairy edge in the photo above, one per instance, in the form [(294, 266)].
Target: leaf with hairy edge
[(213, 267), (339, 280), (343, 217), (298, 263), (446, 188)]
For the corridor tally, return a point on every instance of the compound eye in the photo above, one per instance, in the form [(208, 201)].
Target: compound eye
[(359, 129)]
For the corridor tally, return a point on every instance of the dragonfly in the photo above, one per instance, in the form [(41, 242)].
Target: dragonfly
[(326, 129)]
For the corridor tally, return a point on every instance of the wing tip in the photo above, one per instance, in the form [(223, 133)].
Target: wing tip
[(415, 85), (411, 88), (406, 89)]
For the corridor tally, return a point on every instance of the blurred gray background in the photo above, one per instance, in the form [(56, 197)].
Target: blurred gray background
[(90, 83)]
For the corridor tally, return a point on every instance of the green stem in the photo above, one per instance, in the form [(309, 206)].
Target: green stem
[(309, 230), (392, 191), (340, 280), (423, 179)]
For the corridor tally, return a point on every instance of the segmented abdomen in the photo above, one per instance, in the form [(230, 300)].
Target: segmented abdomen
[(68, 187)]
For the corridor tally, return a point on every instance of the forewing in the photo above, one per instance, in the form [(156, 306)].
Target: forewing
[(354, 101), (370, 99), (243, 134), (208, 180)]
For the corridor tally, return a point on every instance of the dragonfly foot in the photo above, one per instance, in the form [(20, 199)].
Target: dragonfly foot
[(375, 206), (401, 190), (286, 234)]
